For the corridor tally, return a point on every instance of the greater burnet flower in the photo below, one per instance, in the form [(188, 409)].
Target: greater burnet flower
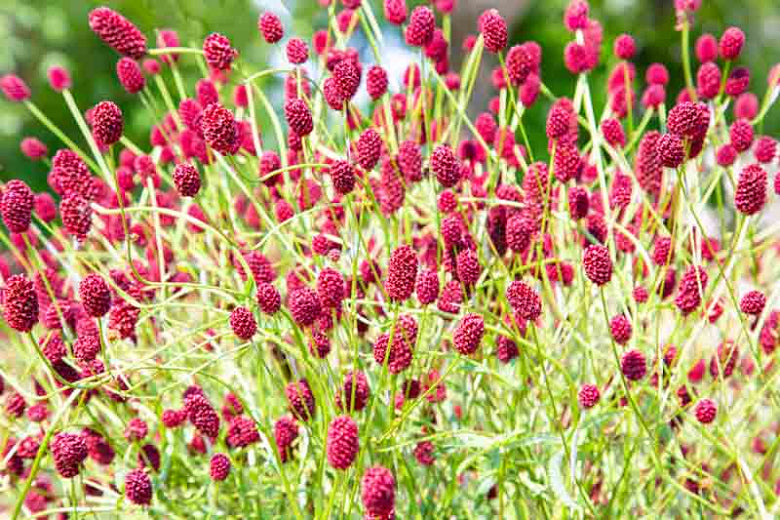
[(354, 392), (625, 47), (524, 300), (17, 202), (750, 195), (376, 82), (378, 492), (20, 303), (186, 179), (706, 410), (14, 88), (330, 288), (219, 129), (427, 286), (494, 30), (107, 123), (243, 323), (588, 396), (305, 306), (753, 303), (597, 264), (342, 443), (671, 150), (202, 415), (369, 149), (270, 27), (731, 43), (620, 328), (138, 487), (298, 117), (468, 334), (297, 51), (118, 32), (268, 298), (300, 399), (285, 433), (741, 135), (691, 289), (76, 214), (401, 273), (217, 51), (219, 467), (422, 24), (445, 165), (69, 451), (33, 148), (95, 295), (130, 76), (633, 365), (343, 175), (59, 78)]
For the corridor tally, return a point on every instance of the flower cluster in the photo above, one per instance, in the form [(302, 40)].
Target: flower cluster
[(280, 304)]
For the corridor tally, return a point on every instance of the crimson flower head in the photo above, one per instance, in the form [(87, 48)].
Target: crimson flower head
[(305, 306), (750, 195), (633, 365), (59, 78), (138, 487), (731, 43), (376, 82), (243, 323), (342, 443), (220, 129), (270, 27), (268, 298), (186, 179), (576, 15), (297, 51), (68, 451), (524, 300), (20, 303), (625, 47), (378, 492), (219, 467), (95, 295), (753, 303), (298, 117), (494, 31), (14, 88), (346, 74), (468, 335), (107, 123), (598, 264), (76, 214), (17, 202), (130, 75), (588, 396), (706, 410), (401, 273), (445, 165), (118, 32), (218, 52), (422, 24)]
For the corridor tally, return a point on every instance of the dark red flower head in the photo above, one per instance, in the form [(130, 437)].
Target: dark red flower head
[(347, 76), (107, 123), (445, 165), (751, 195), (468, 334), (401, 273), (706, 410), (59, 78), (753, 303), (95, 295), (588, 396), (620, 328), (301, 400), (218, 52), (494, 30), (271, 27), (343, 443), (118, 32), (16, 206), (202, 415), (378, 492), (305, 306), (343, 175), (219, 467), (731, 42), (186, 179), (243, 323), (671, 150), (354, 392), (297, 51), (219, 129), (625, 47), (597, 263), (268, 298), (422, 24), (298, 117), (20, 303), (76, 214), (130, 76), (376, 82), (68, 451), (524, 300), (633, 365), (138, 487)]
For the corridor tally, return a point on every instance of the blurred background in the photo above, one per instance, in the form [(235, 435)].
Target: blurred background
[(41, 33)]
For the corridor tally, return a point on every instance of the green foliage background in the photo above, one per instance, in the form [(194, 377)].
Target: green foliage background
[(40, 33)]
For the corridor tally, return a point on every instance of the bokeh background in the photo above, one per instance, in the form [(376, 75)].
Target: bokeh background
[(39, 33)]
